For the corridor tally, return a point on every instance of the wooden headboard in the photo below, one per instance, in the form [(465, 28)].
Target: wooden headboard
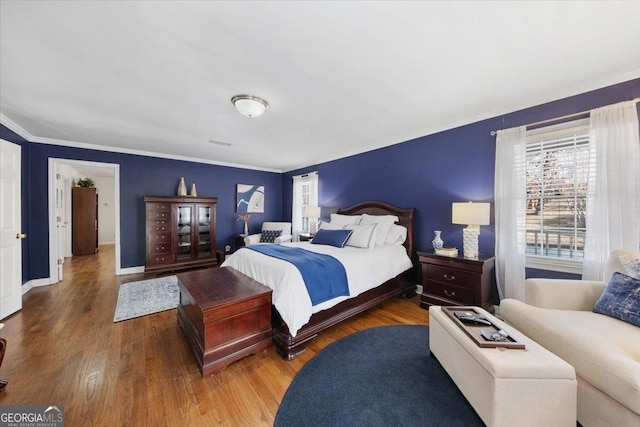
[(405, 218)]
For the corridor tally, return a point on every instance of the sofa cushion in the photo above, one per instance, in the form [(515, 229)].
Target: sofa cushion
[(630, 263), (621, 299), (604, 351)]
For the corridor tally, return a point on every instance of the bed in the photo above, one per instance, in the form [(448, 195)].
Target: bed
[(293, 330)]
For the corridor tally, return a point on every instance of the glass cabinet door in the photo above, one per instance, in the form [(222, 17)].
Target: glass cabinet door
[(185, 235), (204, 230)]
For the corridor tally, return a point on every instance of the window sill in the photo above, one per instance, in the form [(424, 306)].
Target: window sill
[(554, 264)]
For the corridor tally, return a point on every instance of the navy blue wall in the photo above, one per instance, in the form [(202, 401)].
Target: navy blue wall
[(431, 172), (139, 176)]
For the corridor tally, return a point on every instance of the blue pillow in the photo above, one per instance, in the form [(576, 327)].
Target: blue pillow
[(336, 238), (269, 236), (621, 299)]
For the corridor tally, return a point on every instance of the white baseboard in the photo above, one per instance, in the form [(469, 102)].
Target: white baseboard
[(35, 283), (130, 270)]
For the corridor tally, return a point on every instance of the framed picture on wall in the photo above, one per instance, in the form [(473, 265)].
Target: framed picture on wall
[(250, 198)]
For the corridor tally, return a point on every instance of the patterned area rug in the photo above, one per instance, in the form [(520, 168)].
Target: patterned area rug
[(137, 299)]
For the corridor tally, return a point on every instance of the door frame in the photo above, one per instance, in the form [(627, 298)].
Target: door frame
[(54, 246)]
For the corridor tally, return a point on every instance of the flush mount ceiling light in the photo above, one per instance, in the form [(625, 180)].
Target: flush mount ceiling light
[(249, 105)]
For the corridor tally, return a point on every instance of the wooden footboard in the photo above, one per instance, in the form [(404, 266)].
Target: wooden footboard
[(289, 347)]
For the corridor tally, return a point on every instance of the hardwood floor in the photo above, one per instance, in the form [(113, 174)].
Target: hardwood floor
[(64, 349)]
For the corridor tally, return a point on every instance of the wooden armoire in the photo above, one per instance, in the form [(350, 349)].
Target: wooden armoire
[(181, 232), (84, 219)]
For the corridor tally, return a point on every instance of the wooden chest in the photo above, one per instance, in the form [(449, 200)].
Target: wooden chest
[(225, 316)]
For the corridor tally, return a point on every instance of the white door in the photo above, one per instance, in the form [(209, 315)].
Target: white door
[(10, 234), (60, 223)]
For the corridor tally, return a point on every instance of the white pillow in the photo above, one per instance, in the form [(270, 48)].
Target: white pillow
[(397, 234), (345, 219), (363, 236), (369, 219), (330, 226), (384, 224)]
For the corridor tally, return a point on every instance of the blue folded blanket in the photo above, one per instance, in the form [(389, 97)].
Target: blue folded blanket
[(323, 275)]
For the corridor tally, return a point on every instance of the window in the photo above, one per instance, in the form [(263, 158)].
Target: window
[(305, 193), (557, 173)]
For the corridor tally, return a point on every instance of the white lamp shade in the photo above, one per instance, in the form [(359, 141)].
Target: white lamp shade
[(470, 213), (311, 212), (250, 106)]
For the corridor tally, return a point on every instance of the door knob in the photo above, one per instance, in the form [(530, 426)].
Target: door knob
[(21, 236)]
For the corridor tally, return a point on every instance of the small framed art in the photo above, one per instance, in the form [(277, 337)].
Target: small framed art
[(250, 198)]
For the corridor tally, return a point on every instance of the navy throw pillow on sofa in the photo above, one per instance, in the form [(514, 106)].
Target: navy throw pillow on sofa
[(336, 238), (269, 236), (621, 299)]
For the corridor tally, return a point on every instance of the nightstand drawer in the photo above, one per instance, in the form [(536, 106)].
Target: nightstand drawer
[(449, 276), (464, 296)]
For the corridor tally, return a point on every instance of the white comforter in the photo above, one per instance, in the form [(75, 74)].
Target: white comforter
[(366, 269)]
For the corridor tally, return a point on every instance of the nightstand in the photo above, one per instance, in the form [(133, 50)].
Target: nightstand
[(456, 280), (237, 242), (305, 237)]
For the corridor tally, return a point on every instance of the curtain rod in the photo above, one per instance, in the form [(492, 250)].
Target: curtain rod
[(555, 119)]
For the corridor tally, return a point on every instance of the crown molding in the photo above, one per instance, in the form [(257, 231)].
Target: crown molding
[(14, 127), (4, 120)]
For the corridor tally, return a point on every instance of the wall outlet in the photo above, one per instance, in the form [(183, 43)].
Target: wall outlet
[(227, 248)]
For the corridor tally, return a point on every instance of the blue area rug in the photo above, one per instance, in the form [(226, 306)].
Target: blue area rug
[(137, 299), (382, 376)]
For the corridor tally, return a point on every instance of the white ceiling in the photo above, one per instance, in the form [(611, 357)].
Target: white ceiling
[(341, 77)]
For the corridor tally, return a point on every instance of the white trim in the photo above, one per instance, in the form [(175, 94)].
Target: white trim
[(53, 170), (35, 283), (573, 266), (130, 270), (13, 126), (553, 94), (65, 143)]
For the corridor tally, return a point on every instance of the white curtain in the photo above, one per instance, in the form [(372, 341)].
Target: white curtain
[(511, 211), (613, 194), (296, 211), (303, 185)]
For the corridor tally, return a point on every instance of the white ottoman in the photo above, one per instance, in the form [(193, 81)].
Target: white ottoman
[(506, 387)]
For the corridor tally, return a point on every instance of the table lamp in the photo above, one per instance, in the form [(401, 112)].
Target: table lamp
[(474, 215), (312, 212)]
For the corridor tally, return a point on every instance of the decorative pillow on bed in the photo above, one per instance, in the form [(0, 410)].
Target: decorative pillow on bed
[(621, 299), (331, 226), (337, 238), (397, 234), (269, 236), (345, 219), (384, 224), (364, 236)]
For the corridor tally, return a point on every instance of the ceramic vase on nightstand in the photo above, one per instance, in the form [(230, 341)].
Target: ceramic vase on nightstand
[(437, 241)]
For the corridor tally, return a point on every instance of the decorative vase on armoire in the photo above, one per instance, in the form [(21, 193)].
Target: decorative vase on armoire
[(182, 187), (437, 241)]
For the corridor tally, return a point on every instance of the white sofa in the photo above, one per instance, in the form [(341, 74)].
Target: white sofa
[(604, 351), (285, 236)]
